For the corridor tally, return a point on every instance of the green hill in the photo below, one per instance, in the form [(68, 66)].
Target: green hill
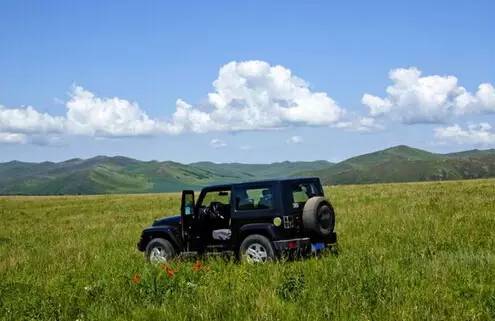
[(406, 164), (101, 174), (255, 171)]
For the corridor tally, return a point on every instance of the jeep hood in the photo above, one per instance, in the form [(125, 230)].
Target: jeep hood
[(167, 220)]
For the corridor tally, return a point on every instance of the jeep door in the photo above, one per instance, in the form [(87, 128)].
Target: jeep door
[(254, 207), (213, 198)]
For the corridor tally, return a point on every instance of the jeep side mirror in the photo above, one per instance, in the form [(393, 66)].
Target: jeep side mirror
[(187, 203)]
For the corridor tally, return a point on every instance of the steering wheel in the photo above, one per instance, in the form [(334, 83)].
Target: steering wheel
[(215, 210)]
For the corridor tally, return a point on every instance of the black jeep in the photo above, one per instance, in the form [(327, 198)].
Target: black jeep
[(257, 221)]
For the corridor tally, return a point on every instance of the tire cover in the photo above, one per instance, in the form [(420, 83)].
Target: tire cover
[(314, 209)]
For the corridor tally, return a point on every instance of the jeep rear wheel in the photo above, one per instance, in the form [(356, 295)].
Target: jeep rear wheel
[(159, 250), (256, 249)]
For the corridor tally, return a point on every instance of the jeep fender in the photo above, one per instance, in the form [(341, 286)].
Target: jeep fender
[(265, 229), (163, 231)]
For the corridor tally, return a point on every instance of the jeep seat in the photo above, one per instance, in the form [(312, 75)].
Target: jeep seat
[(221, 234), (243, 201), (266, 199)]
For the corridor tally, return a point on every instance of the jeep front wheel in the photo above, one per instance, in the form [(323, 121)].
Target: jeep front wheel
[(256, 249), (159, 250)]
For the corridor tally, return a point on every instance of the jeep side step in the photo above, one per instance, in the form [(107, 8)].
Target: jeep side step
[(188, 254), (217, 254)]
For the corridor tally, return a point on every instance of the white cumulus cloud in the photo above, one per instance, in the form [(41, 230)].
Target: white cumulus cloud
[(248, 95), (477, 134), (217, 143), (111, 117), (413, 98), (26, 125), (12, 138), (27, 120), (360, 124), (86, 114), (295, 140), (254, 95)]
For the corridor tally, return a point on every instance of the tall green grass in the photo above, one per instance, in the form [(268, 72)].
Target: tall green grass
[(419, 251)]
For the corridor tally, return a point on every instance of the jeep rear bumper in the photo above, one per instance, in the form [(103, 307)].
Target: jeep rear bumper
[(292, 244), (303, 244)]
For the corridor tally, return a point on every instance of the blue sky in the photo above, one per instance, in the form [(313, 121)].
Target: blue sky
[(133, 60)]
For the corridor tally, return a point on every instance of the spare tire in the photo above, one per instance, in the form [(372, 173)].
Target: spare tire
[(318, 216)]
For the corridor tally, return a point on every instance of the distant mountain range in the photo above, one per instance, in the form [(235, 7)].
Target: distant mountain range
[(101, 174)]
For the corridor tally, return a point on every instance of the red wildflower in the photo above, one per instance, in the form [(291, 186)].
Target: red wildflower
[(136, 279), (167, 269), (164, 267), (170, 272), (198, 266)]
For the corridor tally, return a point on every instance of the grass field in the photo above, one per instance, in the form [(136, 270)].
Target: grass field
[(418, 251)]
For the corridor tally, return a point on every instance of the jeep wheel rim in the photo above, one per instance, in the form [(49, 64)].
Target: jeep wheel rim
[(158, 255), (256, 253)]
